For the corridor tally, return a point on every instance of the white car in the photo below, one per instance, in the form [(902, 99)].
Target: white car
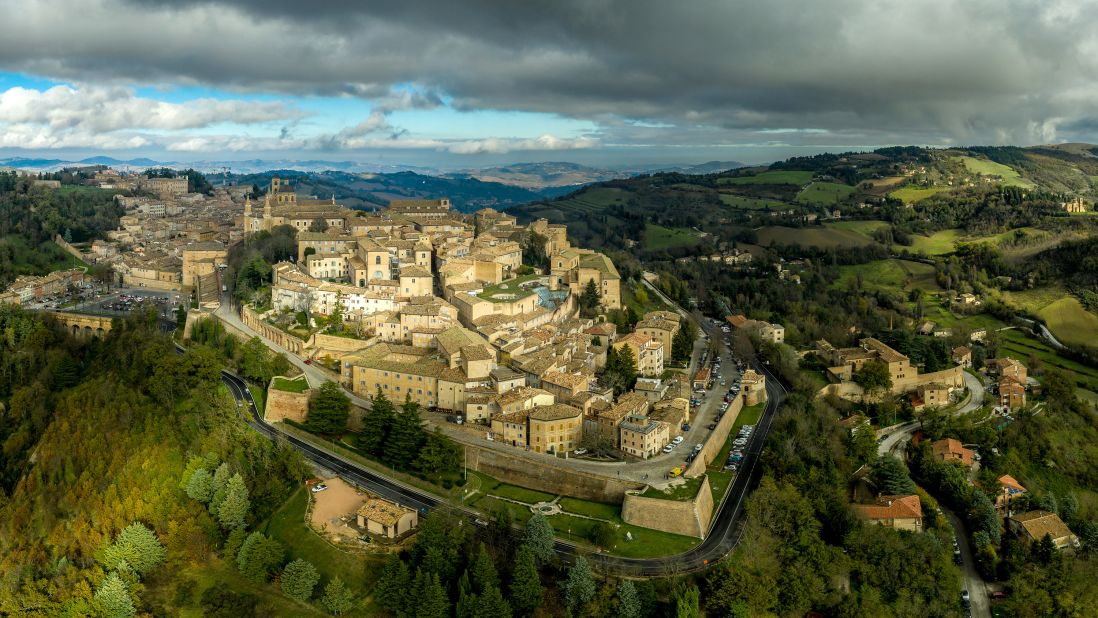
[(319, 487), (697, 447), (677, 441), (668, 448), (580, 451)]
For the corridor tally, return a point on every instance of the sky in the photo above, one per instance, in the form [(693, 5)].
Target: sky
[(483, 82)]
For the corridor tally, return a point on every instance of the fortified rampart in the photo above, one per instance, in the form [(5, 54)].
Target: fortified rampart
[(686, 517)]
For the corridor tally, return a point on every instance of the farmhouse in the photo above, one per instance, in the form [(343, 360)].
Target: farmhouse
[(386, 519), (899, 512), (951, 449), (1034, 525)]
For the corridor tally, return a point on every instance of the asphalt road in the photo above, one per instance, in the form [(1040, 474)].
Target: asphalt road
[(971, 580), (725, 529)]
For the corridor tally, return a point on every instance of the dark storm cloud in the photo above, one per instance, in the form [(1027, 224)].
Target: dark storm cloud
[(685, 73)]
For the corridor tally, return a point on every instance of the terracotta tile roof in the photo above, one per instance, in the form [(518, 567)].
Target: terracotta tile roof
[(951, 449), (1011, 483), (555, 412), (1039, 523), (382, 511), (892, 507)]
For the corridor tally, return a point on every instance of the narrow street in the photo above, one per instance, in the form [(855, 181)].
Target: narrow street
[(970, 578)]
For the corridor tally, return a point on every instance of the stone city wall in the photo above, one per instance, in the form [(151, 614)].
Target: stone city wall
[(546, 475), (284, 404), (717, 438), (255, 322), (686, 517)]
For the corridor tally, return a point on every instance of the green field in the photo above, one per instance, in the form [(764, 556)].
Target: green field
[(779, 177), (1070, 322), (938, 243), (297, 385), (910, 195), (1020, 346), (990, 168), (824, 193), (889, 275), (865, 228), (752, 203), (658, 237), (824, 237), (1035, 299)]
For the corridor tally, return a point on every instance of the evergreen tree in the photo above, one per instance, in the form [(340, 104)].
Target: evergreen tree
[(265, 556), (233, 543), (298, 580), (629, 605), (255, 363), (245, 550), (430, 600), (220, 487), (193, 465), (686, 603), (66, 373), (484, 571), (526, 590), (589, 300), (538, 536), (1044, 549), (234, 508), (406, 438), (337, 599), (376, 425), (200, 486), (329, 410), (491, 604), (439, 457), (114, 598), (579, 588), (393, 585), (890, 476), (136, 549)]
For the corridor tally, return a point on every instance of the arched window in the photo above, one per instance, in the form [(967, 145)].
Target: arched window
[(377, 259)]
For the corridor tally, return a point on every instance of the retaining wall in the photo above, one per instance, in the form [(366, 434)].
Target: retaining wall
[(289, 342), (284, 404), (717, 438), (686, 517), (547, 476)]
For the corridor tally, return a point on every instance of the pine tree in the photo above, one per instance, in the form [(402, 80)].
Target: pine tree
[(265, 556), (136, 549), (298, 580), (234, 508), (220, 487), (439, 457), (245, 550), (491, 604), (200, 486), (538, 536), (329, 410), (114, 598), (484, 572), (337, 599), (431, 600), (891, 477), (66, 373), (392, 587), (233, 543), (686, 603), (628, 601), (589, 300), (579, 588), (526, 590), (406, 438), (376, 425)]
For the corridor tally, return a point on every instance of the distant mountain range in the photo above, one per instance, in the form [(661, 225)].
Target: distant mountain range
[(552, 178)]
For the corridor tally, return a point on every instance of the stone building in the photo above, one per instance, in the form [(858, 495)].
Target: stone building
[(754, 387), (898, 512), (386, 519)]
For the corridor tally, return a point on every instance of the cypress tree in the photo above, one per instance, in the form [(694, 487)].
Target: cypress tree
[(376, 425), (538, 536), (526, 590)]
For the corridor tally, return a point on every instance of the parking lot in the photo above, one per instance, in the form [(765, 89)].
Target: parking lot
[(126, 300)]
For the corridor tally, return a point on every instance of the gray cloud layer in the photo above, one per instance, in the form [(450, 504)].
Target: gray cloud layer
[(648, 72)]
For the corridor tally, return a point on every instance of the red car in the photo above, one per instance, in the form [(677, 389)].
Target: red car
[(308, 361)]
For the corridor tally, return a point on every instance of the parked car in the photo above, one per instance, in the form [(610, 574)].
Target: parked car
[(676, 471), (319, 487), (698, 447), (580, 451), (685, 427), (711, 426), (678, 440), (668, 448), (731, 467), (691, 456)]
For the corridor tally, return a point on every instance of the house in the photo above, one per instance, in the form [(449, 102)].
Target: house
[(1012, 395), (968, 299), (701, 378), (647, 352), (643, 437), (1008, 367), (950, 449), (1034, 525), (855, 424), (962, 355), (931, 395), (977, 335), (1009, 488), (386, 519), (898, 512)]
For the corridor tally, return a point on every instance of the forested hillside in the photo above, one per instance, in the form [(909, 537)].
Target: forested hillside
[(97, 436), (30, 217)]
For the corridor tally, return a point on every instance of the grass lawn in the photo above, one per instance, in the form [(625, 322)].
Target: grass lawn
[(1036, 299), (752, 203), (297, 385), (1009, 175), (521, 494), (271, 600), (824, 193), (777, 177), (938, 243), (1070, 322), (259, 396), (910, 195), (287, 525), (683, 492), (659, 237), (814, 236), (610, 512)]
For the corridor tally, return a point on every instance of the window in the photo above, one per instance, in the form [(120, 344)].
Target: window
[(377, 260)]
